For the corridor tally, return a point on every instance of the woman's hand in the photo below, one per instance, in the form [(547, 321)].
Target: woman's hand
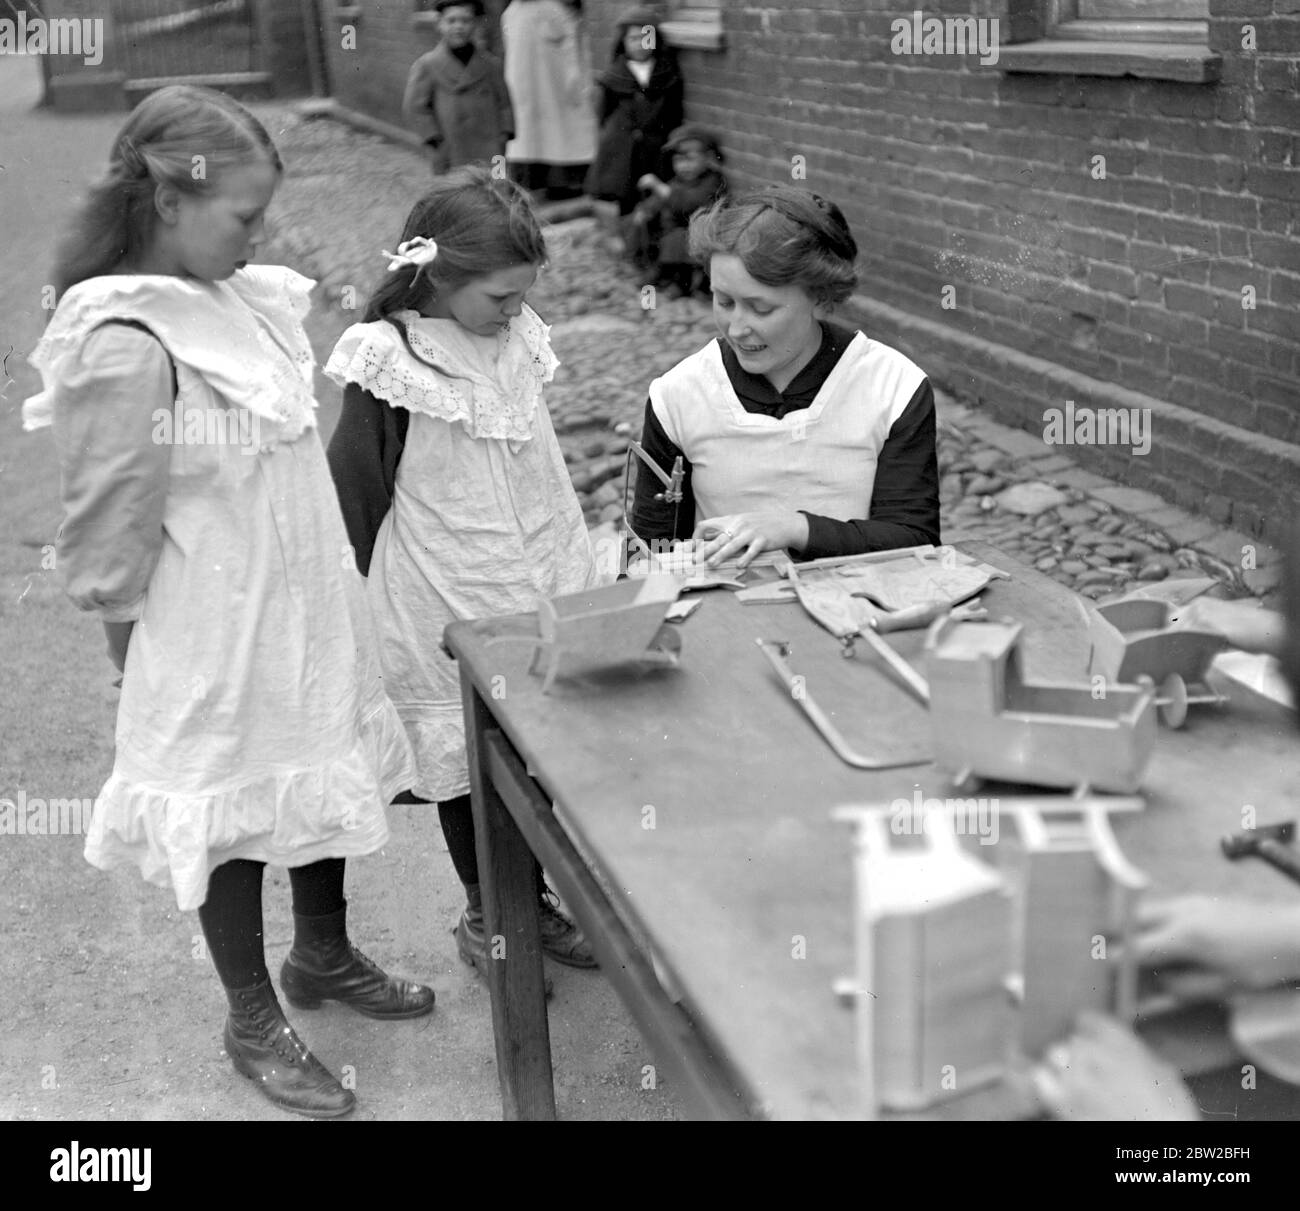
[(1203, 948), (1105, 1073), (1243, 623), (743, 536)]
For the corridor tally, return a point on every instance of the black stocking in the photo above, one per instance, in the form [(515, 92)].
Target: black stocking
[(318, 888), (231, 917)]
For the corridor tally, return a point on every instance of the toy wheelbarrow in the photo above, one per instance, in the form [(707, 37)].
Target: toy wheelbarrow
[(621, 624), (1132, 639)]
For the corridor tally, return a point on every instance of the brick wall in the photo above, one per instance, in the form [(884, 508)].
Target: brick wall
[(1119, 290)]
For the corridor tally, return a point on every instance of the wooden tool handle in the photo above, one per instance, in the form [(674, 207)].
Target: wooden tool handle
[(1280, 857)]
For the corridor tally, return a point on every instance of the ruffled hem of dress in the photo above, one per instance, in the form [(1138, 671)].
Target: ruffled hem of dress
[(437, 736), (336, 810)]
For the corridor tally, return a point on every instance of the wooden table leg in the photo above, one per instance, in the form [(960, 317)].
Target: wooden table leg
[(515, 977)]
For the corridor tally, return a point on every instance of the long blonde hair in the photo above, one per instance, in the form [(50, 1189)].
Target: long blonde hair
[(181, 136)]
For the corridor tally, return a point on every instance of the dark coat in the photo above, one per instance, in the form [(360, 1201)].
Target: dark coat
[(462, 110), (635, 123), (684, 199)]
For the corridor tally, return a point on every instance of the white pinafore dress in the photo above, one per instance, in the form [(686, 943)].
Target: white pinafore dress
[(252, 722), (484, 519)]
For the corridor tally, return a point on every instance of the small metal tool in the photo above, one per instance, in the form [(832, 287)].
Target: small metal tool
[(673, 492), (1271, 843)]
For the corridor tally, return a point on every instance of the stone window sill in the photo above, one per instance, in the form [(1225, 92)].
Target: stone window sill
[(425, 21), (1190, 63), (703, 32)]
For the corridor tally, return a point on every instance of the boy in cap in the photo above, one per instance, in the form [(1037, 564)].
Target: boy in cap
[(662, 219), (456, 94)]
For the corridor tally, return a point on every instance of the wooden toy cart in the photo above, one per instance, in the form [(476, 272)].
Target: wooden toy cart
[(1131, 639), (989, 722)]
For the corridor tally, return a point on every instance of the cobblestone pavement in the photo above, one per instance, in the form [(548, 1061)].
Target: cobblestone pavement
[(1000, 485)]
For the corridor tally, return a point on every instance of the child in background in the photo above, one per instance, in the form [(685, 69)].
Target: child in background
[(548, 72), (663, 220), (641, 103), (453, 486), (456, 94), (252, 725)]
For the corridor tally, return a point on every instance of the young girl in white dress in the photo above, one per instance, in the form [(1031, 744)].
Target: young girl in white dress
[(201, 525), (453, 486)]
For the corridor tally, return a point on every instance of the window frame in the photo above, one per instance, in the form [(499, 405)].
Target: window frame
[(1117, 38), (694, 25)]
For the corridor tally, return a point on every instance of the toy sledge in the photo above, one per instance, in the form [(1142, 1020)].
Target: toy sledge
[(988, 721), (777, 652), (1132, 638)]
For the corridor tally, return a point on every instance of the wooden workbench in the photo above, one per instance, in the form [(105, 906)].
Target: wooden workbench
[(692, 813)]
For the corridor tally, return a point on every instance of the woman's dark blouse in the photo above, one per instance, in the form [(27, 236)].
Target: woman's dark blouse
[(905, 497)]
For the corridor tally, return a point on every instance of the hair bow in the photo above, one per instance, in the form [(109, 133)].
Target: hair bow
[(418, 252)]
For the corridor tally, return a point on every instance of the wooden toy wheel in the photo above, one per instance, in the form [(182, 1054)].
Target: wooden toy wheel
[(1173, 701)]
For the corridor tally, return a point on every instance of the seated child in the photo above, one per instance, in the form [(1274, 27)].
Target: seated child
[(456, 94), (661, 221)]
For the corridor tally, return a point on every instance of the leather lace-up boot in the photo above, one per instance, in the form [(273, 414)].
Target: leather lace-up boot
[(471, 936), (324, 966), (263, 1047)]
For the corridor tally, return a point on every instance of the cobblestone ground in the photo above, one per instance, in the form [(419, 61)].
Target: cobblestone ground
[(348, 192)]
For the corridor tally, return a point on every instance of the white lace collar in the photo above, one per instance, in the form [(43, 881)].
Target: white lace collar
[(491, 385)]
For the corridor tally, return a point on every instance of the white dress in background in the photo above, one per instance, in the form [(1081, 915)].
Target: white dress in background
[(549, 76), (484, 519), (252, 721)]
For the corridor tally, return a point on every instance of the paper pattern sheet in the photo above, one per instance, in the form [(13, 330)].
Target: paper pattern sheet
[(910, 590)]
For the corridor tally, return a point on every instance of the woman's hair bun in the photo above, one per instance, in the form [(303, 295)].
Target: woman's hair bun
[(784, 236), (131, 158)]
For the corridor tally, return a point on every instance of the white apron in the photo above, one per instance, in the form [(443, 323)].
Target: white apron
[(252, 722), (821, 458), (484, 518)]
